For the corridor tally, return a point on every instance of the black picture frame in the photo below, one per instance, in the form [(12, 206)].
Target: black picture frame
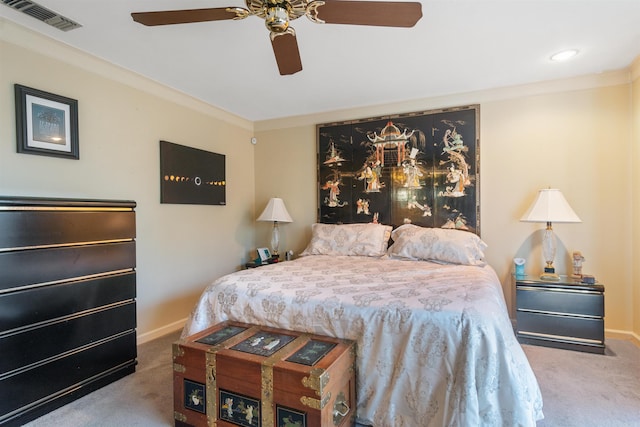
[(46, 123)]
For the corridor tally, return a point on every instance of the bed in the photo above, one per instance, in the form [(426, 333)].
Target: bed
[(435, 344)]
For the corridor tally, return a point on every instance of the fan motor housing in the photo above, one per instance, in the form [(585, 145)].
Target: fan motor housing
[(277, 19), (295, 8)]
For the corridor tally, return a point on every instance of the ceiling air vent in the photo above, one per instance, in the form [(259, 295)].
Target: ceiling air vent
[(43, 14)]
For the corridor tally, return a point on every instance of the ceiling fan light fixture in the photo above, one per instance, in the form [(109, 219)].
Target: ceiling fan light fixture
[(277, 18)]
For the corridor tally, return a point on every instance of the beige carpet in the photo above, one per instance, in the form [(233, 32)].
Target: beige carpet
[(142, 399), (579, 390), (583, 389)]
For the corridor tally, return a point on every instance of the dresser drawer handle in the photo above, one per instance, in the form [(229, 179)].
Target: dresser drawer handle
[(556, 313), (556, 337), (577, 291)]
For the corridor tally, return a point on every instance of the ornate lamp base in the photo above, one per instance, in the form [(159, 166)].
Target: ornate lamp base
[(549, 253)]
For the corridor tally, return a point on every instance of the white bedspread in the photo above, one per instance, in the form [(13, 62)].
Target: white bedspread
[(435, 343)]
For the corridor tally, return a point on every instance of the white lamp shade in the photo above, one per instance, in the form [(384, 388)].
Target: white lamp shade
[(550, 206), (275, 211)]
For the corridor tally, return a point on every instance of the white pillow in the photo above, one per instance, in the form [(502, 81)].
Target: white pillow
[(437, 244), (348, 239)]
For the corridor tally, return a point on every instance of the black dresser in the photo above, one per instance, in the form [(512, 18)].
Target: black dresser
[(67, 301), (564, 314)]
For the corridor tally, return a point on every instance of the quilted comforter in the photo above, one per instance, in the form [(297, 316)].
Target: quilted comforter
[(435, 343)]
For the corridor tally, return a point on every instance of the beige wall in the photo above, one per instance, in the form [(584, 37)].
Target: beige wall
[(580, 135), (286, 168), (180, 248), (575, 135), (636, 192)]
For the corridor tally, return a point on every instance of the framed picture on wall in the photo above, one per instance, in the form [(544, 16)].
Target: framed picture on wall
[(46, 124), (191, 176), (420, 168)]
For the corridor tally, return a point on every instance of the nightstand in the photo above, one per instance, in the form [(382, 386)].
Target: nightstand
[(253, 264), (564, 314)]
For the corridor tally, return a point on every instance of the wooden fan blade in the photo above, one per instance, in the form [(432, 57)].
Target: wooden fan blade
[(379, 13), (168, 17), (285, 47)]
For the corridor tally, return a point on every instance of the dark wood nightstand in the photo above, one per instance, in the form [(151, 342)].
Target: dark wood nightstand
[(253, 264), (564, 314)]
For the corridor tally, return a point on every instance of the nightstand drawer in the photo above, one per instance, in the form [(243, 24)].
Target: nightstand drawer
[(539, 325), (573, 302)]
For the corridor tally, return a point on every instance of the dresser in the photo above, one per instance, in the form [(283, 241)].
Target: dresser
[(564, 314), (67, 301)]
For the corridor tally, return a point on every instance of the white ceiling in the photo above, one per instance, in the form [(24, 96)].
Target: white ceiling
[(458, 46)]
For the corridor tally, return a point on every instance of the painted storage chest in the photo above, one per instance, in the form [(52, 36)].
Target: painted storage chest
[(236, 374)]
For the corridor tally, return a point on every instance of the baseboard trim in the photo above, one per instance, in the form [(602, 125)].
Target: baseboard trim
[(623, 335), (162, 331)]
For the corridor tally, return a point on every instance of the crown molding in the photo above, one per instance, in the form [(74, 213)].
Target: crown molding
[(33, 41)]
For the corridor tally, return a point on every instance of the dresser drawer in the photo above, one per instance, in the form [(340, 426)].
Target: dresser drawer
[(56, 377), (18, 268), (560, 327), (20, 229), (560, 301), (66, 335), (43, 303)]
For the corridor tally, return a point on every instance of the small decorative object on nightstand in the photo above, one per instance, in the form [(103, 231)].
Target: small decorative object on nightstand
[(564, 313), (519, 266), (577, 260), (263, 255), (550, 206)]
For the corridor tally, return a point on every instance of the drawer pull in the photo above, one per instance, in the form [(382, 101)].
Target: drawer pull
[(563, 290), (558, 337), (556, 313)]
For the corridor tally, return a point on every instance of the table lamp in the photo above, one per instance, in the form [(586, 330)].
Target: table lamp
[(276, 212), (550, 206)]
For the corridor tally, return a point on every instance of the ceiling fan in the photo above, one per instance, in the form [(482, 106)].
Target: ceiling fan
[(278, 14)]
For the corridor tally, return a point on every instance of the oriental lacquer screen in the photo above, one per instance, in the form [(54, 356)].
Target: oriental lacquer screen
[(419, 168)]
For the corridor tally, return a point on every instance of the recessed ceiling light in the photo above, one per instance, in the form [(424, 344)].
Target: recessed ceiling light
[(564, 55)]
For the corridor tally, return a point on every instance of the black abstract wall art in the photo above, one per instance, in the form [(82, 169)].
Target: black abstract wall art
[(191, 176)]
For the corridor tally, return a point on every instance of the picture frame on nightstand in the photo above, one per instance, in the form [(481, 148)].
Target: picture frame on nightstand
[(264, 254)]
